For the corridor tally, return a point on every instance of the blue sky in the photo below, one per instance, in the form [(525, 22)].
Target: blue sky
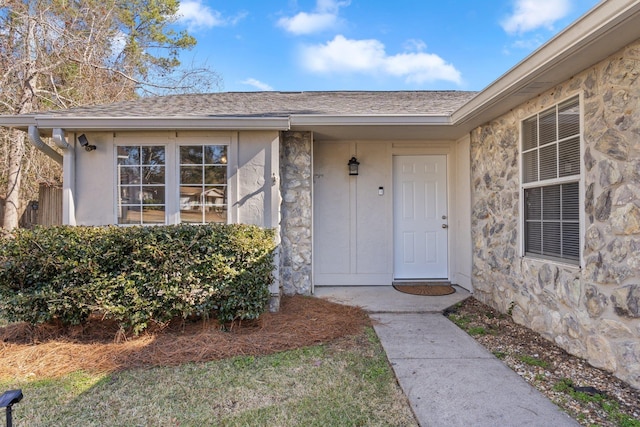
[(292, 45)]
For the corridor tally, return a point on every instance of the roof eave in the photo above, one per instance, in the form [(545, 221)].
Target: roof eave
[(21, 122), (606, 28), (370, 120), (46, 123)]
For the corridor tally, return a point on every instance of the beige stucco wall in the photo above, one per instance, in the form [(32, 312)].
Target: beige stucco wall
[(253, 163), (353, 224), (592, 311)]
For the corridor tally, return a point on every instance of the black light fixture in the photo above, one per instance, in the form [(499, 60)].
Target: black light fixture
[(353, 166), (84, 142)]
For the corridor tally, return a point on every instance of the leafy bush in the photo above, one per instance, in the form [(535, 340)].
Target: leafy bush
[(135, 275)]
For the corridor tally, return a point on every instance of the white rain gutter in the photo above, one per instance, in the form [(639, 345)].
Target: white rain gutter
[(370, 120), (163, 123), (34, 137)]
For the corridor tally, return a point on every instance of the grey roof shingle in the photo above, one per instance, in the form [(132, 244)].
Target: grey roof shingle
[(279, 104)]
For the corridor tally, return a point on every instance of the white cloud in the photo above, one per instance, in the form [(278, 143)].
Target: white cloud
[(532, 14), (196, 15), (324, 17), (308, 23), (342, 55), (257, 84), (331, 6), (414, 45)]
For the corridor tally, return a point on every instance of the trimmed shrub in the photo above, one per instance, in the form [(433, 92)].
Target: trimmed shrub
[(135, 275)]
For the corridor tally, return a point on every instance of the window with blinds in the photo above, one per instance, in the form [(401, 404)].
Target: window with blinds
[(551, 182)]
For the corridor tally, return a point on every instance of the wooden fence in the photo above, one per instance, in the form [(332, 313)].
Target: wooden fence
[(47, 210)]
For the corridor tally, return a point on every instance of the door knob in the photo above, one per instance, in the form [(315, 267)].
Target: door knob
[(445, 226)]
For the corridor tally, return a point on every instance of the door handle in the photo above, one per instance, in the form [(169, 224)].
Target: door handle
[(445, 226)]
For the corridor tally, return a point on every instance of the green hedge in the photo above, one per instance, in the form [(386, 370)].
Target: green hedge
[(135, 275)]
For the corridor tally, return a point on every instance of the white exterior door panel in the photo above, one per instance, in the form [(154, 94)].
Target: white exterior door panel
[(420, 217)]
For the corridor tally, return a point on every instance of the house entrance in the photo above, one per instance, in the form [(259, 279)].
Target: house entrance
[(420, 217)]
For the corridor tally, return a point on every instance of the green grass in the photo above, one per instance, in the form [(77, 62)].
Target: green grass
[(461, 321), (533, 361), (342, 385), (477, 330), (540, 378), (610, 407)]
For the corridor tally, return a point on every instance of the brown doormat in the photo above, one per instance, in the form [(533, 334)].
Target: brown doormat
[(426, 289)]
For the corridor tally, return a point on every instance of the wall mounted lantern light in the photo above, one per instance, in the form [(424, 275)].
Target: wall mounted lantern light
[(84, 142), (353, 166)]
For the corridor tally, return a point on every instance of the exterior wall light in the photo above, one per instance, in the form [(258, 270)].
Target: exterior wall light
[(84, 142), (353, 166)]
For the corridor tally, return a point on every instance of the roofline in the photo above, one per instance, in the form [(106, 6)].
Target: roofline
[(145, 123), (370, 120), (22, 121), (606, 28), (219, 123), (588, 32)]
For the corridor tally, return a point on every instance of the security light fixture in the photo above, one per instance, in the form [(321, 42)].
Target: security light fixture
[(353, 166), (84, 142)]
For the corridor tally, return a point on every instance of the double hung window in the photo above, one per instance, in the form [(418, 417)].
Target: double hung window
[(141, 184), (551, 182), (203, 183)]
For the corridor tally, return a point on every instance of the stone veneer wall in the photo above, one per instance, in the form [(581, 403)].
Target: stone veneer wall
[(295, 225), (593, 311)]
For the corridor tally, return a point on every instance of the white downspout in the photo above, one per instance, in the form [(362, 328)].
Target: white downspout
[(34, 137), (68, 177)]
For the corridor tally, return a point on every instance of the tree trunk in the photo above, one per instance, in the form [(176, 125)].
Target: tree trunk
[(17, 143), (12, 206)]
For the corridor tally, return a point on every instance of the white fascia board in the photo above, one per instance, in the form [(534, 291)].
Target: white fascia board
[(168, 123), (369, 120), (601, 21)]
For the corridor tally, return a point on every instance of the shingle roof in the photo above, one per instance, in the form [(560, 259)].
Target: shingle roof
[(279, 104)]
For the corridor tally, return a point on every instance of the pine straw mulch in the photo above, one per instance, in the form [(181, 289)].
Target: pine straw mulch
[(99, 346)]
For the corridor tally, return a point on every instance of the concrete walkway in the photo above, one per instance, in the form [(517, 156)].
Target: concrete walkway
[(449, 379)]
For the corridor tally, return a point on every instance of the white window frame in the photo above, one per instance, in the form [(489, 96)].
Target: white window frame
[(578, 178), (202, 142), (144, 142), (171, 141)]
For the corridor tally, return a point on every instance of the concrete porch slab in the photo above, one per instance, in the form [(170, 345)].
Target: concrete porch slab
[(385, 299)]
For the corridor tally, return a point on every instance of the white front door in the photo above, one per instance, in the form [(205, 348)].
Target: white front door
[(420, 220)]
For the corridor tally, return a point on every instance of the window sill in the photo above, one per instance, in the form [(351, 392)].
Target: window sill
[(552, 261)]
